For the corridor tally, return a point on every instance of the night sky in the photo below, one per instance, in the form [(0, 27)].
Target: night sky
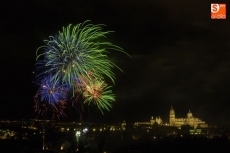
[(180, 56)]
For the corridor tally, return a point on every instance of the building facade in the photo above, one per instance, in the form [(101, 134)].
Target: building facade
[(152, 121), (190, 120)]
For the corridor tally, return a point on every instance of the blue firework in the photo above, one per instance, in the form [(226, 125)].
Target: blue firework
[(51, 92), (51, 97)]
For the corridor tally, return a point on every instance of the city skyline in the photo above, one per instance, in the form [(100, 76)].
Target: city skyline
[(179, 56)]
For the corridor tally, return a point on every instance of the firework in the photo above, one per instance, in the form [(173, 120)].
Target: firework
[(52, 92), (75, 51), (75, 64), (56, 110), (95, 90), (50, 97), (99, 93)]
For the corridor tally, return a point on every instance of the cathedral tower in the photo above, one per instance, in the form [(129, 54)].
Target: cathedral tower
[(189, 115), (190, 119), (172, 117)]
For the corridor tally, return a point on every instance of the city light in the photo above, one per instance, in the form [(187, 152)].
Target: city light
[(85, 130), (78, 133)]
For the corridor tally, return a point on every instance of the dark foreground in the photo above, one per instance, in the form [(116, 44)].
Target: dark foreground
[(162, 145)]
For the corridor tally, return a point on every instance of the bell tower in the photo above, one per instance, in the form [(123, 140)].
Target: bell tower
[(172, 117)]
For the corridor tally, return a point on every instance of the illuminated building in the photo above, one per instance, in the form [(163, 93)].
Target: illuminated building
[(158, 120), (190, 120)]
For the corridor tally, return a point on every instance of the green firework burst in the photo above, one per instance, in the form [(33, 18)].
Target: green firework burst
[(77, 50)]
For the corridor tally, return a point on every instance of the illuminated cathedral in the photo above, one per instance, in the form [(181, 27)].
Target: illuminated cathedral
[(190, 120)]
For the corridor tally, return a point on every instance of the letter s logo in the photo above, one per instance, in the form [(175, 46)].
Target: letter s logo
[(215, 8)]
